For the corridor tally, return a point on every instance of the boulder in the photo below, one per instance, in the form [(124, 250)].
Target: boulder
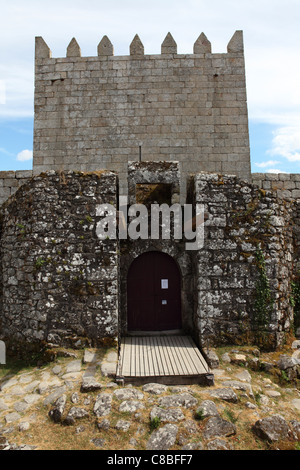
[(226, 394), (57, 411), (172, 415), (218, 427), (163, 439), (207, 408), (272, 429), (183, 399), (102, 405)]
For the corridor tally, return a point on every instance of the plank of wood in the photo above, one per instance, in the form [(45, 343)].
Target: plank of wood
[(155, 356), (199, 355), (176, 354), (148, 351), (189, 365), (164, 358), (195, 354), (126, 368), (168, 356), (160, 356)]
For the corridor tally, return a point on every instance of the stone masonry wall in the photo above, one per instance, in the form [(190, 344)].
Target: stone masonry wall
[(10, 181), (59, 282), (100, 112), (286, 185), (245, 269)]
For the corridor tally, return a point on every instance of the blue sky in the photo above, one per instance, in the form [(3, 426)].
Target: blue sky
[(272, 53)]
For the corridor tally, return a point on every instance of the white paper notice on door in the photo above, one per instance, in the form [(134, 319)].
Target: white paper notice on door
[(165, 283)]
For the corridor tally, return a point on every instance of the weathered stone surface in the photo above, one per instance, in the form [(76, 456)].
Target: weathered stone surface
[(286, 362), (219, 444), (50, 399), (122, 425), (244, 376), (202, 45), (89, 357), (102, 405), (171, 415), (236, 385), (131, 406), (272, 429), (136, 47), (226, 394), (296, 403), (154, 388), (128, 394), (273, 393), (218, 427), (12, 417), (159, 134), (104, 425), (3, 406), (73, 49), (77, 413), (193, 446), (236, 43), (90, 384), (164, 438), (295, 427), (183, 399), (296, 344), (108, 369), (57, 411), (212, 358), (24, 426), (89, 302), (98, 442), (226, 357), (207, 408), (105, 47)]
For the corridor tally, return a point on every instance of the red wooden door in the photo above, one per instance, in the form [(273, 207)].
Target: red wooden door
[(154, 293)]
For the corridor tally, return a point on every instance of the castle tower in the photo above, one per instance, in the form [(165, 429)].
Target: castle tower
[(100, 112)]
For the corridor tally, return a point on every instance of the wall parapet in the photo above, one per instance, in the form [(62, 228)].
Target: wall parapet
[(169, 46), (10, 181), (287, 185)]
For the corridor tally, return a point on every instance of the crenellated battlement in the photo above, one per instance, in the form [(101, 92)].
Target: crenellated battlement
[(99, 112), (169, 46)]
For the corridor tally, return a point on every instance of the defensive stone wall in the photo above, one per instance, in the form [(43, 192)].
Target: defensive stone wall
[(286, 185), (10, 181), (100, 112), (59, 282), (245, 269)]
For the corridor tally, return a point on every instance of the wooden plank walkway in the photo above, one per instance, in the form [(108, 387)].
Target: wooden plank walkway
[(171, 360)]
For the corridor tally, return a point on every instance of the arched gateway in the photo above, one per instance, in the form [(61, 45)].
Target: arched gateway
[(154, 293)]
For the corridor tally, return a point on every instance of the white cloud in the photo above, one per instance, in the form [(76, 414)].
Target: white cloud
[(5, 152), (274, 170), (2, 92), (25, 155), (268, 163), (286, 143), (271, 32)]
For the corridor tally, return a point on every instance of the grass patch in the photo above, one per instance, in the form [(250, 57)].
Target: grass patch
[(154, 423)]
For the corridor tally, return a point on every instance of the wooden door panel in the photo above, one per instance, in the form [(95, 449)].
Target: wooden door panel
[(149, 306)]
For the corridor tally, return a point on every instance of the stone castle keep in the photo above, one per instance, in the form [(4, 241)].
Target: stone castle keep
[(168, 128)]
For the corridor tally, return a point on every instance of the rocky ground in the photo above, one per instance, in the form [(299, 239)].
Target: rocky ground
[(74, 403)]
